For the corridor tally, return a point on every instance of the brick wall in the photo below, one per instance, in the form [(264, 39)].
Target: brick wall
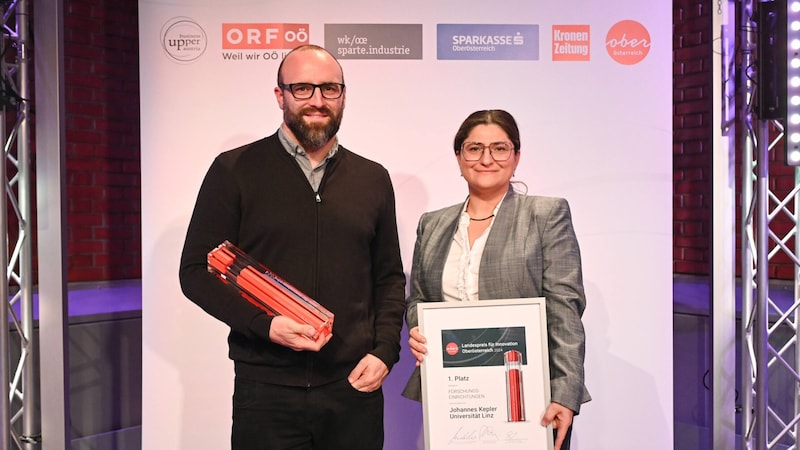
[(692, 150), (692, 127), (102, 135)]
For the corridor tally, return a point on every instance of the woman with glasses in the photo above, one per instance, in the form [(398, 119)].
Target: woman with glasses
[(498, 244)]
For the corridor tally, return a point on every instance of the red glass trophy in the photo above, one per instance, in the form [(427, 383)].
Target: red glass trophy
[(514, 392), (265, 289)]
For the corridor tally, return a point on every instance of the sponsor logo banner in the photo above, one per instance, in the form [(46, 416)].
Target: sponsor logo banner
[(628, 42), (183, 40), (374, 41), (261, 41), (571, 43), (487, 42), (263, 36)]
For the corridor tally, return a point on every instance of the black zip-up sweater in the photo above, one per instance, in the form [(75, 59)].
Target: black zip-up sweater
[(338, 245)]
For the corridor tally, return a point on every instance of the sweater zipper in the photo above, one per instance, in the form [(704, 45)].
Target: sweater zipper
[(310, 358), (318, 200)]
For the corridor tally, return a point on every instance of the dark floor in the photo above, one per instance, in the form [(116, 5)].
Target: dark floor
[(692, 360)]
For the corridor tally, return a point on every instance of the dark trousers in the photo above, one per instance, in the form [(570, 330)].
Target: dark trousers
[(565, 444), (330, 417)]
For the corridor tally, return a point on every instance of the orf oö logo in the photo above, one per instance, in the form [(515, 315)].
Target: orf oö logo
[(263, 36), (628, 42), (183, 39)]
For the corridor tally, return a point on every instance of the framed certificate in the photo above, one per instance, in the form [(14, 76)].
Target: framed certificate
[(485, 379)]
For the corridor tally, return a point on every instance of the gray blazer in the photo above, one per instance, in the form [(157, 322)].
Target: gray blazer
[(531, 251)]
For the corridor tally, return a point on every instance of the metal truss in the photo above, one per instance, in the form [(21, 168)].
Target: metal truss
[(770, 350), (18, 408)]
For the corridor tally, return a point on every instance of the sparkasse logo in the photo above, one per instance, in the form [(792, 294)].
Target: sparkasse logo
[(628, 42)]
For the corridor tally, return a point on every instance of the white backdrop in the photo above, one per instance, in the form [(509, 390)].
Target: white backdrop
[(597, 131)]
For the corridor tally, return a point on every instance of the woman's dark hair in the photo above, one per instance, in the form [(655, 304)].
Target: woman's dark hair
[(485, 117)]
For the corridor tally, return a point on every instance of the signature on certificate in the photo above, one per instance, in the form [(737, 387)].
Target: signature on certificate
[(484, 434)]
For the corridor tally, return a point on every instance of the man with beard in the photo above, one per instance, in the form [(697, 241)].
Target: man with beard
[(322, 218)]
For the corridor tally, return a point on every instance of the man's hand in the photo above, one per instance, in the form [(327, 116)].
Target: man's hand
[(561, 418), (416, 341), (368, 374), (288, 333)]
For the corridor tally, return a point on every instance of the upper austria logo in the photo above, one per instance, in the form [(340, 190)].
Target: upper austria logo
[(628, 42), (183, 39), (451, 348)]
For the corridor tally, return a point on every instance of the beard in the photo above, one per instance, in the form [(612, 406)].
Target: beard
[(315, 135)]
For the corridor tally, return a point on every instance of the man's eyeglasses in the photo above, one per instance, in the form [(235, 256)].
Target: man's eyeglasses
[(473, 151), (304, 91)]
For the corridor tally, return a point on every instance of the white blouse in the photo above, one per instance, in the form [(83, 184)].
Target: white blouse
[(460, 277)]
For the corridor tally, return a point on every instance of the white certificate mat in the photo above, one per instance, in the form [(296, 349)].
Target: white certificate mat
[(472, 397)]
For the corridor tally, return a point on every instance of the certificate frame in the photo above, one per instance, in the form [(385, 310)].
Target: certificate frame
[(469, 398)]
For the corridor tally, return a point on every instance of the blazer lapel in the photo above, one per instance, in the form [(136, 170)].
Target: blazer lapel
[(493, 277), (441, 238)]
